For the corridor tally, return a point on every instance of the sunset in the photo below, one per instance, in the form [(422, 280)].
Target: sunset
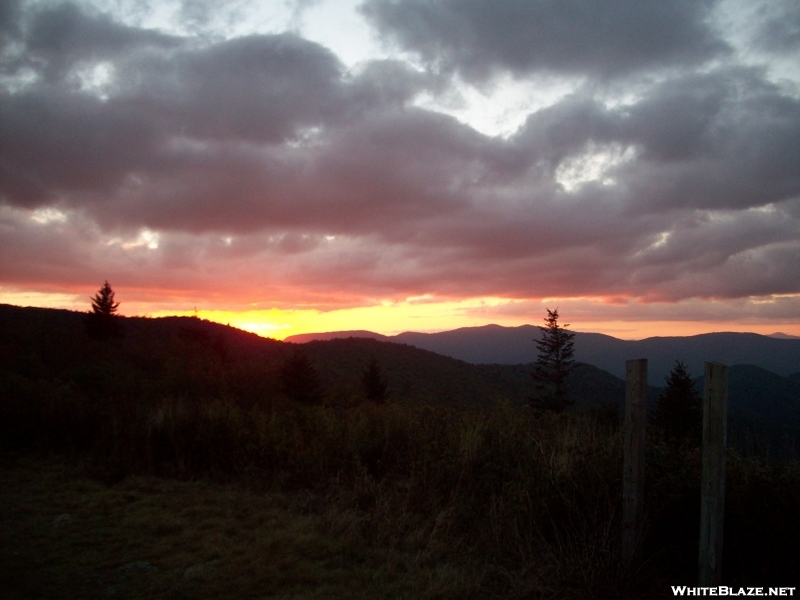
[(403, 299), (290, 167)]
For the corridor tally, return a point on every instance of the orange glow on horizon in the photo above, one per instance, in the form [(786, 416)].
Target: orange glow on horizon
[(422, 314), (387, 318), (279, 324)]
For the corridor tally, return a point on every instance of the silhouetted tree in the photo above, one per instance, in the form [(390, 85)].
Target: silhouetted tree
[(679, 412), (102, 321), (103, 302), (373, 383), (299, 380), (553, 365)]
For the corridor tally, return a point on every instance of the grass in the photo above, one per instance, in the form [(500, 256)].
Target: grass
[(285, 501), (149, 537), (422, 503)]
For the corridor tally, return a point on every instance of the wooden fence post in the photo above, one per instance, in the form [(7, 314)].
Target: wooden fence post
[(633, 468), (712, 483)]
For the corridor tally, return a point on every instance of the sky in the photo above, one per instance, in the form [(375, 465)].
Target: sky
[(291, 166)]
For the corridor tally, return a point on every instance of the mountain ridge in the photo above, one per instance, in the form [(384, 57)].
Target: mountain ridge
[(495, 344), (186, 356)]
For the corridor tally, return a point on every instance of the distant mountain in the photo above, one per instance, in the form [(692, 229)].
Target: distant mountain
[(494, 344), (763, 411), (489, 344), (783, 336), (302, 338), (762, 396), (756, 393), (779, 356)]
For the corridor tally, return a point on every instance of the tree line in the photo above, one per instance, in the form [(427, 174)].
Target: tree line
[(677, 415)]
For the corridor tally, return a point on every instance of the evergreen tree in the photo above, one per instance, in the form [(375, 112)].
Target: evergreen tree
[(103, 302), (679, 412), (373, 384), (102, 322), (299, 380), (553, 364)]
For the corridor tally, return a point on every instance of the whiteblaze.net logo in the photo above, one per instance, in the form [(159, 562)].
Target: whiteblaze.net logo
[(722, 590)]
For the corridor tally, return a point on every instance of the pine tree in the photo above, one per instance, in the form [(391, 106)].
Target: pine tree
[(373, 384), (102, 322), (553, 364), (299, 380), (103, 302), (679, 412)]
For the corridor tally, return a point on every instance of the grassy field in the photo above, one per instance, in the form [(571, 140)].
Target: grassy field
[(418, 504), (67, 535)]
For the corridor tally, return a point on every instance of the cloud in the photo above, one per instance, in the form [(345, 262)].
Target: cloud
[(262, 167), (253, 88), (721, 139), (478, 37), (63, 35), (779, 26), (744, 312), (9, 19), (299, 7)]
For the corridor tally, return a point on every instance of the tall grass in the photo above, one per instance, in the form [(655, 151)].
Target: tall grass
[(530, 500)]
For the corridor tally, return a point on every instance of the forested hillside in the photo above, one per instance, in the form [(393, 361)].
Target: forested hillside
[(188, 357)]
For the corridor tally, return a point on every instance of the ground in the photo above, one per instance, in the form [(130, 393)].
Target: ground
[(65, 534)]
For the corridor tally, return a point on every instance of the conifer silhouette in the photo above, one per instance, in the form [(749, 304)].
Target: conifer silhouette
[(373, 384), (679, 412), (103, 302), (553, 364), (102, 322), (299, 380)]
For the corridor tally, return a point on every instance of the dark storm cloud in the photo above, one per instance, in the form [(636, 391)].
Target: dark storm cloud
[(779, 28), (260, 88), (723, 139), (55, 142), (387, 174), (388, 83), (9, 18), (477, 37), (262, 163), (183, 112), (65, 34)]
